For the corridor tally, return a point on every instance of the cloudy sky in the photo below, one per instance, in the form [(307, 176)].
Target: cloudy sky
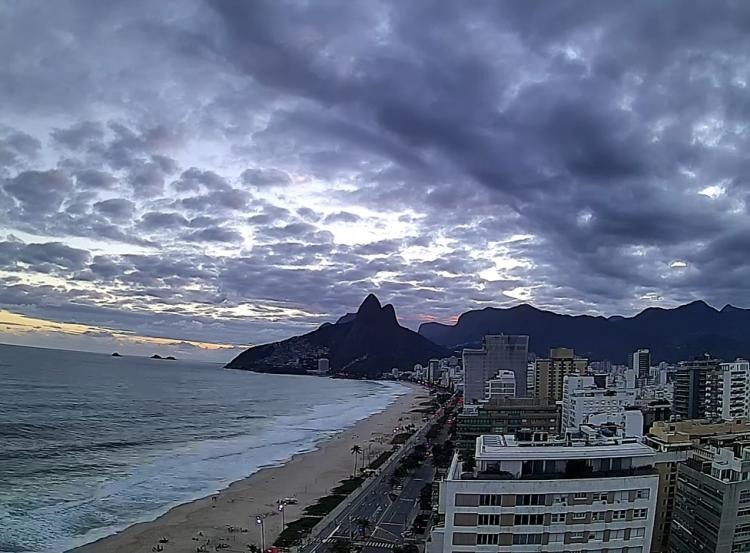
[(177, 176)]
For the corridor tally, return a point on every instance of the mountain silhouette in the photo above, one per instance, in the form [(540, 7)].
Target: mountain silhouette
[(364, 344), (671, 334)]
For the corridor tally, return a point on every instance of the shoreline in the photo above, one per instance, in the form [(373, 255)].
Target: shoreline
[(306, 475)]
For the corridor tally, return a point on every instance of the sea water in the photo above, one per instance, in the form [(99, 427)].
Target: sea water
[(90, 443)]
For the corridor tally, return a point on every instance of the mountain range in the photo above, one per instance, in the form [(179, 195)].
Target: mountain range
[(371, 341), (671, 334), (362, 344)]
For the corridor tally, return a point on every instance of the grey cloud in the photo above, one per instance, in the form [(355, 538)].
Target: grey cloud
[(79, 136), (17, 147), (342, 217), (38, 192), (263, 178), (213, 234), (116, 209), (155, 220)]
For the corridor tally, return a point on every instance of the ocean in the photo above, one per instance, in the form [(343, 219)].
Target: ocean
[(90, 443)]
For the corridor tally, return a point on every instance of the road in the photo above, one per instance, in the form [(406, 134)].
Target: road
[(389, 519)]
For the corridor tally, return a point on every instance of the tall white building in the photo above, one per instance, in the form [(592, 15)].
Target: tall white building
[(498, 352), (503, 385), (524, 497), (583, 402), (727, 391)]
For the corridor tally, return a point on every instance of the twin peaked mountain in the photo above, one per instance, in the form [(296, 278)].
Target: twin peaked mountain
[(364, 344), (371, 341)]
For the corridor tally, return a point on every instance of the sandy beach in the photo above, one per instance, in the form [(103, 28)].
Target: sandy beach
[(306, 476)]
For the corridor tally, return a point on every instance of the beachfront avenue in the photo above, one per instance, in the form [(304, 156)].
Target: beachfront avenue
[(390, 519)]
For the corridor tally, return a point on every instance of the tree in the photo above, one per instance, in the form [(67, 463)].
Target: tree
[(356, 450)]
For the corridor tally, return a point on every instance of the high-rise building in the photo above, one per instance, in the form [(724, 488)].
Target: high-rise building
[(506, 416), (498, 352), (531, 379), (551, 373), (584, 402), (502, 385), (598, 495), (727, 390), (690, 387), (642, 363), (712, 498), (673, 442)]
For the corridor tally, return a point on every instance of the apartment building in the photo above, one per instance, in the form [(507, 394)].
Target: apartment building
[(594, 495), (727, 387), (690, 387), (502, 385), (583, 401), (505, 416), (551, 372), (673, 442), (712, 499)]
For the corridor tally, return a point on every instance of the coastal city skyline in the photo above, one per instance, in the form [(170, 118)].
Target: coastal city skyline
[(181, 176)]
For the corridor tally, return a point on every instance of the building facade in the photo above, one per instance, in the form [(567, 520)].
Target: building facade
[(584, 402), (673, 442), (727, 390), (551, 498), (690, 387), (505, 416), (642, 364), (712, 500), (498, 352), (551, 372), (502, 385)]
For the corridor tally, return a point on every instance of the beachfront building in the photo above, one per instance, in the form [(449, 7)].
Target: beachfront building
[(506, 416), (551, 372), (597, 494), (503, 385), (583, 402), (498, 352)]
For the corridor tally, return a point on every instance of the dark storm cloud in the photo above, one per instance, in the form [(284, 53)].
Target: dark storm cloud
[(557, 149)]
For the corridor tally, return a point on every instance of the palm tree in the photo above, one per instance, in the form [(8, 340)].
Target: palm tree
[(356, 451)]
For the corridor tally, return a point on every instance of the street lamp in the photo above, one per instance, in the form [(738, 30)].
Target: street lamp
[(259, 522), (283, 521)]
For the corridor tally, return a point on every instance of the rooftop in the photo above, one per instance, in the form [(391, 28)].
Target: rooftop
[(505, 448)]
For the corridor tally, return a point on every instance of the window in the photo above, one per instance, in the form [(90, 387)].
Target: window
[(488, 539), (556, 518), (580, 495), (579, 516), (526, 520), (524, 539), (643, 494), (530, 499), (598, 516), (640, 513), (619, 515), (559, 499), (600, 496), (637, 532), (492, 499), (489, 520)]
